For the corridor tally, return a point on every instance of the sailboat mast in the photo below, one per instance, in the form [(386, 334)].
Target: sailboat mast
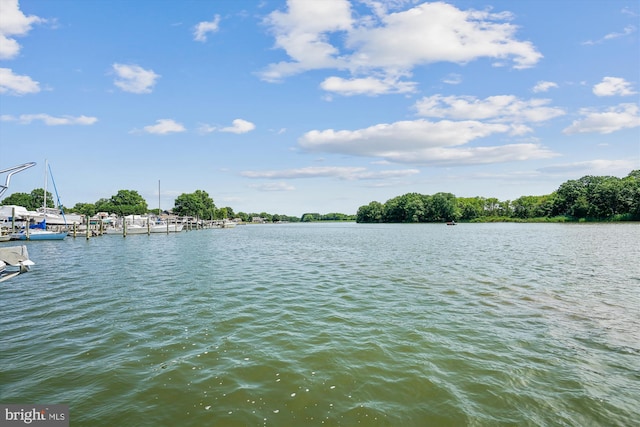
[(44, 199), (159, 211)]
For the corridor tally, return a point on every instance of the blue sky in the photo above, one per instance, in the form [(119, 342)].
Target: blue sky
[(317, 106)]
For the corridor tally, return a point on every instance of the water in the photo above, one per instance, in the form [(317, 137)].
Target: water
[(332, 324)]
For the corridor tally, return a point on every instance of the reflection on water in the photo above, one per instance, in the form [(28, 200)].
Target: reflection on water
[(332, 324)]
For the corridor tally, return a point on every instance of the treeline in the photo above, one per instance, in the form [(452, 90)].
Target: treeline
[(599, 198), (129, 202), (314, 217)]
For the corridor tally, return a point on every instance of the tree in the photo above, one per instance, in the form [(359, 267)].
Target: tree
[(370, 213), (470, 207), (197, 204), (19, 199), (125, 202), (307, 217), (630, 195), (31, 201), (443, 207), (88, 209)]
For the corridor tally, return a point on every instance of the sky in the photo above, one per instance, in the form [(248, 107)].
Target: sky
[(302, 106)]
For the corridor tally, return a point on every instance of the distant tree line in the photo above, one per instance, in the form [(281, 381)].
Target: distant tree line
[(129, 202), (600, 198), (313, 217)]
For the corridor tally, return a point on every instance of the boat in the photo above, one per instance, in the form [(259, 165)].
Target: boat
[(131, 224), (451, 223), (14, 260), (163, 227), (39, 231), (129, 229)]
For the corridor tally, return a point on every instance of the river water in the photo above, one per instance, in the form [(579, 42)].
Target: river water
[(331, 324)]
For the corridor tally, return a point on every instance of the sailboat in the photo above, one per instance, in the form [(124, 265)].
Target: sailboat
[(39, 230), (164, 226)]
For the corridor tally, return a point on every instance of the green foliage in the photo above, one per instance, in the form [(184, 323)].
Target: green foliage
[(411, 207), (334, 216), (31, 201), (370, 213), (309, 217), (601, 198), (88, 209), (20, 199), (125, 202), (197, 204)]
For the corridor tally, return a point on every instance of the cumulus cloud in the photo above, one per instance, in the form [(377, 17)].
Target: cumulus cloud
[(134, 79), (388, 44), (340, 172), (239, 126), (611, 86), (202, 28), (623, 116), (303, 33), (14, 84), (164, 127), (501, 108), (50, 120), (13, 23), (543, 86), (422, 142)]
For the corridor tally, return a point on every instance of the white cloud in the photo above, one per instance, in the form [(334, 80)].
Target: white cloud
[(164, 126), (623, 116), (366, 86), (50, 120), (273, 186), (205, 129), (14, 84), (134, 79), (452, 79), (13, 23), (422, 142), (388, 44), (628, 30), (303, 33), (611, 86), (239, 126), (340, 172), (593, 167), (501, 108), (543, 86), (436, 32), (202, 28)]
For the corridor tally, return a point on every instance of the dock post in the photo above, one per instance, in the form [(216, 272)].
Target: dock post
[(124, 227)]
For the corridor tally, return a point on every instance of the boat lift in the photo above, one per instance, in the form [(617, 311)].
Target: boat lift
[(12, 171)]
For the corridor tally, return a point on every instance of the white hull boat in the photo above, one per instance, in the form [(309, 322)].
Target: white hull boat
[(14, 260)]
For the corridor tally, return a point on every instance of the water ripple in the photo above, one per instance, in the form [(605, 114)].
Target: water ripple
[(481, 325)]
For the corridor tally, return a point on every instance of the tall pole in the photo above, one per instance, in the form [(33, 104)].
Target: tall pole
[(159, 211), (44, 204)]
